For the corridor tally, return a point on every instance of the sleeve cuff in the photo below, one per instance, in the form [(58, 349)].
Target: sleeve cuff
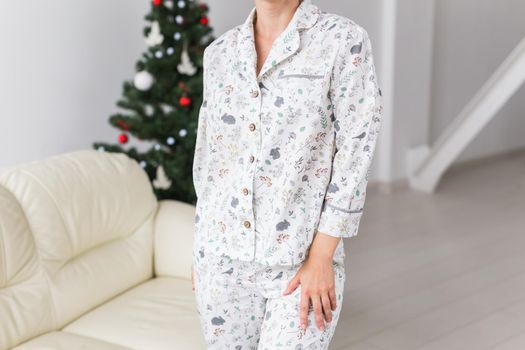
[(339, 222)]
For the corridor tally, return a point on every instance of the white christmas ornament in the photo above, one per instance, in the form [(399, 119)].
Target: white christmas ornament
[(149, 110), (186, 66), (177, 36), (170, 140), (154, 37), (206, 39), (179, 19), (158, 54), (161, 181), (170, 51), (143, 163), (183, 132), (168, 4), (181, 4), (143, 80), (166, 108), (157, 147)]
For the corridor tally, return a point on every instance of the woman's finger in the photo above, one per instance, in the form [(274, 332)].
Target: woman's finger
[(318, 311), (327, 308), (333, 298), (304, 308), (294, 283)]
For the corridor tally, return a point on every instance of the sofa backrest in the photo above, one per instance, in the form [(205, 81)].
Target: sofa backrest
[(25, 299), (75, 230)]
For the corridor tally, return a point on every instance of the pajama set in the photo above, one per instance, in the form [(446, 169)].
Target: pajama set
[(279, 156)]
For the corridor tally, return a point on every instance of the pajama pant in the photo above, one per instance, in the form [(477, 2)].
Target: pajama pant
[(241, 306)]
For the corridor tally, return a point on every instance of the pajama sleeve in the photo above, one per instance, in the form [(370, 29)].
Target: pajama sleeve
[(356, 113), (201, 144)]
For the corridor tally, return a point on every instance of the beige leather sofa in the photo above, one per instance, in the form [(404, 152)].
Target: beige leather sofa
[(89, 259)]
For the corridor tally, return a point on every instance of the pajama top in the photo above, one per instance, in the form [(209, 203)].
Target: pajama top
[(288, 152)]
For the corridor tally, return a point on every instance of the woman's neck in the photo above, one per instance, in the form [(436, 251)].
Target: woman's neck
[(273, 16)]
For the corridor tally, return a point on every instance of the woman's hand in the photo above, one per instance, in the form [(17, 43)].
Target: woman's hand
[(316, 277), (192, 279)]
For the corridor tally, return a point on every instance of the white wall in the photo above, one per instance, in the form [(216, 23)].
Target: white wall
[(472, 38), (445, 51), (413, 79), (62, 66)]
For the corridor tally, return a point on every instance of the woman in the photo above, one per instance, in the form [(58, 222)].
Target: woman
[(287, 129)]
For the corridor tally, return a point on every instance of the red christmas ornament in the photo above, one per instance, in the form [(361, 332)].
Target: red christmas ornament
[(157, 2), (185, 101), (204, 20), (122, 138)]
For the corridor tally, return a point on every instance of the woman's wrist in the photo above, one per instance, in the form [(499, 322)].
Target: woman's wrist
[(323, 247)]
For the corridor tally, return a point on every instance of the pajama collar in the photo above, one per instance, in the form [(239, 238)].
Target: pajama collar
[(285, 45)]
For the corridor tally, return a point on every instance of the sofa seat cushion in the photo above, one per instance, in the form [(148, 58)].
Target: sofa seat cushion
[(67, 341), (158, 314)]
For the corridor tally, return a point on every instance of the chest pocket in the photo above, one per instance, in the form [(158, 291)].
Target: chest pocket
[(302, 86), (293, 75)]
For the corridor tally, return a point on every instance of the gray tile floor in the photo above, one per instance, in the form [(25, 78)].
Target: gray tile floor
[(440, 271)]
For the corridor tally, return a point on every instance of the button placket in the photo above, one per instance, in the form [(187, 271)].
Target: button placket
[(248, 220)]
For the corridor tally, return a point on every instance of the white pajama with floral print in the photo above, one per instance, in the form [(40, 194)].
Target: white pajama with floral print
[(280, 156)]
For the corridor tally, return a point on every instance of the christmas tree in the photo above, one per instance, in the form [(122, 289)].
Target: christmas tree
[(161, 105)]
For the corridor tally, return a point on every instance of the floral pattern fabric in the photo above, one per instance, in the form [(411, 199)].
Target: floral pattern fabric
[(286, 152), (241, 306)]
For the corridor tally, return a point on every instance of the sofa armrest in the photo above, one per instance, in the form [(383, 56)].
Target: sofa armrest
[(173, 239)]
